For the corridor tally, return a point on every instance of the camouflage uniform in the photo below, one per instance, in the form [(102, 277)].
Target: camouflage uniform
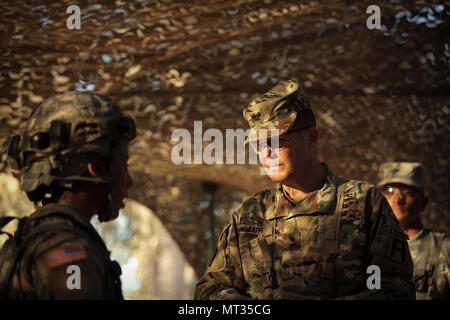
[(430, 251), (61, 136), (60, 227), (317, 248)]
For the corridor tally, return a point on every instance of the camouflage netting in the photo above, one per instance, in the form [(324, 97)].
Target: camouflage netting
[(378, 94)]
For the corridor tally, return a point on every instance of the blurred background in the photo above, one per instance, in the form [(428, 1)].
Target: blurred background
[(379, 95)]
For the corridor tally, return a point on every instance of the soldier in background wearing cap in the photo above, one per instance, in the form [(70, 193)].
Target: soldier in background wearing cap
[(72, 162), (402, 184), (314, 235)]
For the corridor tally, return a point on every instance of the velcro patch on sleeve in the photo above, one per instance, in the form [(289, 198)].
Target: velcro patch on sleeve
[(65, 254), (398, 247)]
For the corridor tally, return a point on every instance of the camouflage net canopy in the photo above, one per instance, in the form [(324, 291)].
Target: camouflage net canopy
[(379, 95)]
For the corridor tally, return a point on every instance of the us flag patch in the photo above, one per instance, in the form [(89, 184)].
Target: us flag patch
[(65, 254)]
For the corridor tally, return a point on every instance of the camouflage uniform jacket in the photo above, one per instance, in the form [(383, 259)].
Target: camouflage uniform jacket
[(65, 238), (430, 252), (318, 248)]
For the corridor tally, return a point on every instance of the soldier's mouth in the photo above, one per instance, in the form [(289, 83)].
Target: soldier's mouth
[(122, 202), (274, 166)]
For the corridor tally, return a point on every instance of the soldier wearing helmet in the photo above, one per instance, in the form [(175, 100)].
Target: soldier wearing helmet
[(72, 163), (312, 236), (402, 183)]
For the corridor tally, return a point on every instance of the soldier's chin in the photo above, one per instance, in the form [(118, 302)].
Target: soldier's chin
[(408, 219), (104, 215), (115, 214), (400, 214), (275, 173)]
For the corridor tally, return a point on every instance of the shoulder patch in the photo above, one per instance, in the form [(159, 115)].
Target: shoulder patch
[(65, 254), (397, 247)]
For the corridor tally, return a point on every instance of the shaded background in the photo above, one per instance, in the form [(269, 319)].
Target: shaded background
[(379, 95)]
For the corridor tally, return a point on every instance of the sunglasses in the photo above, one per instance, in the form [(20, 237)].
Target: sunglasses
[(403, 192), (275, 144)]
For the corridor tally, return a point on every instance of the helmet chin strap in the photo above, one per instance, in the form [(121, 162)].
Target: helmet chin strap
[(111, 211)]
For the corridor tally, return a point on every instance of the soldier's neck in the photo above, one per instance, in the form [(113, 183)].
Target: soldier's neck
[(412, 232), (80, 206), (85, 198), (298, 189)]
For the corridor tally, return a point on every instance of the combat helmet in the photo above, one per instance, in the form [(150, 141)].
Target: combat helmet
[(61, 135)]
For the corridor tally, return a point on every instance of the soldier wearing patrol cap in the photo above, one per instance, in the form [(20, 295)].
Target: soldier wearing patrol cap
[(72, 163), (314, 235), (402, 184)]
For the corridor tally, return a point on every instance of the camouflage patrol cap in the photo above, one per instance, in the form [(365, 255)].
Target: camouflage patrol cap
[(408, 173), (281, 108)]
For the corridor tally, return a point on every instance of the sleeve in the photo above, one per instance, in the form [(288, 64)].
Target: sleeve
[(387, 251), (73, 269), (223, 278), (443, 271)]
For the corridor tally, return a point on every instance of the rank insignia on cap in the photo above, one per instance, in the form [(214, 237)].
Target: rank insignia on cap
[(65, 254)]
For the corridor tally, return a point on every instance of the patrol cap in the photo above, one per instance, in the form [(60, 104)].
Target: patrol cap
[(284, 107), (407, 173)]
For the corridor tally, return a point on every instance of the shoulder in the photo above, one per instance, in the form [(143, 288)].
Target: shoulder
[(439, 236), (360, 188), (439, 239), (433, 245), (63, 243), (367, 199), (59, 234), (433, 238), (363, 195), (364, 190), (256, 204)]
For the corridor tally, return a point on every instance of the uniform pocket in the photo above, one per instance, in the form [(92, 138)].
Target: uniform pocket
[(424, 279), (302, 260), (255, 264)]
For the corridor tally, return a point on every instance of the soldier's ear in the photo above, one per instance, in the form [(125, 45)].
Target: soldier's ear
[(97, 167), (312, 136)]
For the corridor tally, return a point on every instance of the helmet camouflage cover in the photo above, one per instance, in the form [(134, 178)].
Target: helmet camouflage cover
[(60, 137)]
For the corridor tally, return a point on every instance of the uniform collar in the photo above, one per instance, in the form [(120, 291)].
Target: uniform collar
[(421, 234), (62, 207), (319, 201)]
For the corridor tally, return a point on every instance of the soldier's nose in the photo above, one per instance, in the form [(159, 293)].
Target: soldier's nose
[(266, 152), (399, 199), (266, 155)]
